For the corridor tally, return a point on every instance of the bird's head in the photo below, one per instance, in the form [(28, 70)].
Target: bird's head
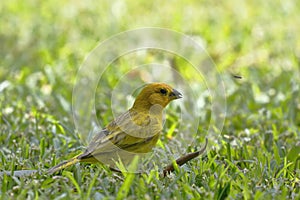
[(155, 94)]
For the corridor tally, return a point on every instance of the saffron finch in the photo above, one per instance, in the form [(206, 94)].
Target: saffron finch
[(135, 131)]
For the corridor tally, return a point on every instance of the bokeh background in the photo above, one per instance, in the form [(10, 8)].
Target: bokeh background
[(43, 44)]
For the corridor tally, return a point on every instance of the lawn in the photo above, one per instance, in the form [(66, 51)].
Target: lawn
[(252, 123)]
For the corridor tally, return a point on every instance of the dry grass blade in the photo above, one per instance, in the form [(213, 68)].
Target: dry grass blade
[(184, 159)]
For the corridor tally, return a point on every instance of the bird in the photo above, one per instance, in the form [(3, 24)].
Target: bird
[(136, 131)]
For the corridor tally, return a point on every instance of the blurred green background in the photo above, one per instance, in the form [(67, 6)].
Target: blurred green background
[(43, 43)]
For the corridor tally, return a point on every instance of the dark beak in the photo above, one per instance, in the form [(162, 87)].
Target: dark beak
[(175, 94)]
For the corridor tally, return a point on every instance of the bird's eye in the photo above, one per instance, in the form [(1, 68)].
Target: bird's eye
[(163, 91)]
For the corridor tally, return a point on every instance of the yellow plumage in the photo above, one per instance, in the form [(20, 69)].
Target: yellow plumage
[(135, 131)]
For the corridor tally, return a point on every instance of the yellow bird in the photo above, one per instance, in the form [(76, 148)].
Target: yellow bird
[(133, 132)]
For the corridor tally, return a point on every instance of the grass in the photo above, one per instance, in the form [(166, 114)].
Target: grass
[(44, 43)]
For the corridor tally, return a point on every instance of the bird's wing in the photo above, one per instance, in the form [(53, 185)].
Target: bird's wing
[(125, 132)]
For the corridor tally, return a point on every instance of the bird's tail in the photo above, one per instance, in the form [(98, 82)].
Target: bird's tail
[(64, 165)]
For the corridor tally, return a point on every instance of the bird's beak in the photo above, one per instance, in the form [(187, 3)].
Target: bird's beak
[(175, 94)]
